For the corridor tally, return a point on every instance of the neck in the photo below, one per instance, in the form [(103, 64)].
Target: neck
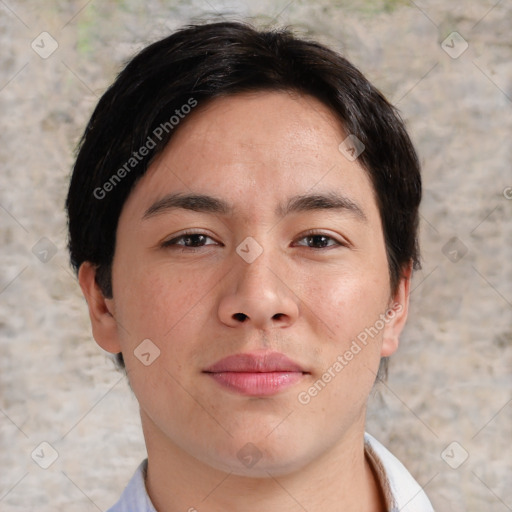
[(342, 478)]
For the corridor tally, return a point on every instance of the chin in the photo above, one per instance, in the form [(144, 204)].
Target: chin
[(261, 460)]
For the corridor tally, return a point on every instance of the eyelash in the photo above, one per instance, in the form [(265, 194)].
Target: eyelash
[(172, 243)]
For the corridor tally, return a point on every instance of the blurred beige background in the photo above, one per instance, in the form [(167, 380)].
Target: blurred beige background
[(451, 380)]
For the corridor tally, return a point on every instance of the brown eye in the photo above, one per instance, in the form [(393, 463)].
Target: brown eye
[(189, 240), (318, 241)]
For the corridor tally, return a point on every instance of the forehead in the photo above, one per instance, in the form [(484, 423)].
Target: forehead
[(253, 148), (260, 124)]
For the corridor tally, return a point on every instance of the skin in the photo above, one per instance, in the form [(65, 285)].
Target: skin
[(307, 301)]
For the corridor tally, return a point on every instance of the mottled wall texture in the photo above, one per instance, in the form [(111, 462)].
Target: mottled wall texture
[(446, 408)]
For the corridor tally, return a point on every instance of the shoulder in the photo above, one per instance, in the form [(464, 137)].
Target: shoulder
[(135, 497)]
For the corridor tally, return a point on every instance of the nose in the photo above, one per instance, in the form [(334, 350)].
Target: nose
[(257, 294)]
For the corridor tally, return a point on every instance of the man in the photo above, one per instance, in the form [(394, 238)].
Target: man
[(243, 218)]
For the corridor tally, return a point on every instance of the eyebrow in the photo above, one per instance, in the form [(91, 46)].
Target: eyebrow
[(297, 204), (195, 202), (328, 201)]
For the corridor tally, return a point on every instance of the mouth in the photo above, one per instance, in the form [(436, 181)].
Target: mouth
[(256, 374)]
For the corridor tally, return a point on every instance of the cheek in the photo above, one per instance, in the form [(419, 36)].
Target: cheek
[(346, 302), (349, 305), (154, 299), (163, 307), (169, 308)]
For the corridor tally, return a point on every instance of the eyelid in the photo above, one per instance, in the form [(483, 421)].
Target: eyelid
[(340, 241), (167, 242)]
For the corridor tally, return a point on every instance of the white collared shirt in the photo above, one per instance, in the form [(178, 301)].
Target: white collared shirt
[(402, 493)]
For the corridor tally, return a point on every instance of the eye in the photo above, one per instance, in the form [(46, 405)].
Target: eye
[(189, 241), (319, 241)]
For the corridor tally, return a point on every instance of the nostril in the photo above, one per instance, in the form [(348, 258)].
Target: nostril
[(240, 316)]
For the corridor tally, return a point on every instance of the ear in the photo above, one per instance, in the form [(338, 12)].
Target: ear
[(101, 310), (396, 315)]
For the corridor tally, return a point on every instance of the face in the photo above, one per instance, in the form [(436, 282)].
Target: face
[(251, 255)]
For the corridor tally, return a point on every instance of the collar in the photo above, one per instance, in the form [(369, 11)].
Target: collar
[(401, 492)]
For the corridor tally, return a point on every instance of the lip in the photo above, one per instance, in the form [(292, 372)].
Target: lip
[(256, 374)]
